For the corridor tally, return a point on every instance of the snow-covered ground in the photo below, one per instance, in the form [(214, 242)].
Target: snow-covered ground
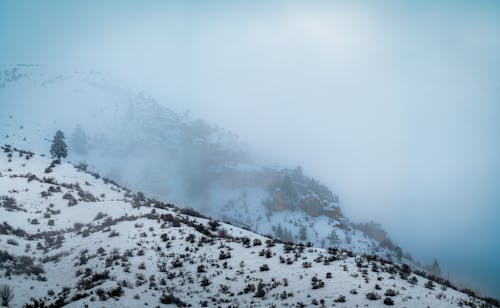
[(73, 238), (246, 206), (164, 153)]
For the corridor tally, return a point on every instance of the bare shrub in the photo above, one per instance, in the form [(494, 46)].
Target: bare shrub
[(6, 294)]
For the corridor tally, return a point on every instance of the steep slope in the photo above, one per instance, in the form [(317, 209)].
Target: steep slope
[(68, 237), (174, 157)]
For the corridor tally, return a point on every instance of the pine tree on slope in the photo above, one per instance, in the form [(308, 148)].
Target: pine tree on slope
[(59, 149)]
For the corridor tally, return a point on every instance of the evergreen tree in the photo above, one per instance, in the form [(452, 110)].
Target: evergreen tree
[(302, 233), (287, 235), (435, 269), (79, 141), (333, 237), (283, 234), (399, 253), (59, 148), (279, 232)]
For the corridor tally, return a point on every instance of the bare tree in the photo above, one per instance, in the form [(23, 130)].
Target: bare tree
[(6, 295)]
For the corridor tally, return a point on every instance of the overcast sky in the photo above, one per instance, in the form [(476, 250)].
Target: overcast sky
[(394, 105)]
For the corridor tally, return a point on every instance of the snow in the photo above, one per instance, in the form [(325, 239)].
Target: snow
[(150, 141), (140, 231)]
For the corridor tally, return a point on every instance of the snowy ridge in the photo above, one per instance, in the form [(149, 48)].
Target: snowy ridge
[(71, 238), (172, 157)]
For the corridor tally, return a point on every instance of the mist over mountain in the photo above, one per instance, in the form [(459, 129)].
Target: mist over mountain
[(100, 243), (136, 141), (375, 120), (140, 143)]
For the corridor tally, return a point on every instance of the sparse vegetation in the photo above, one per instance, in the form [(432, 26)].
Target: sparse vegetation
[(6, 295), (372, 296), (430, 285), (173, 256)]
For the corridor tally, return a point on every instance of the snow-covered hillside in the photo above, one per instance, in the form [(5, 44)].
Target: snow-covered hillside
[(172, 157), (68, 237), (161, 149)]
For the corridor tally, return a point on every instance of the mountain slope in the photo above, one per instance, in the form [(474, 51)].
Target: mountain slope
[(68, 237), (171, 156)]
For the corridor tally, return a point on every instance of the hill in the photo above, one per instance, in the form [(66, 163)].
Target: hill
[(72, 238), (174, 157)]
